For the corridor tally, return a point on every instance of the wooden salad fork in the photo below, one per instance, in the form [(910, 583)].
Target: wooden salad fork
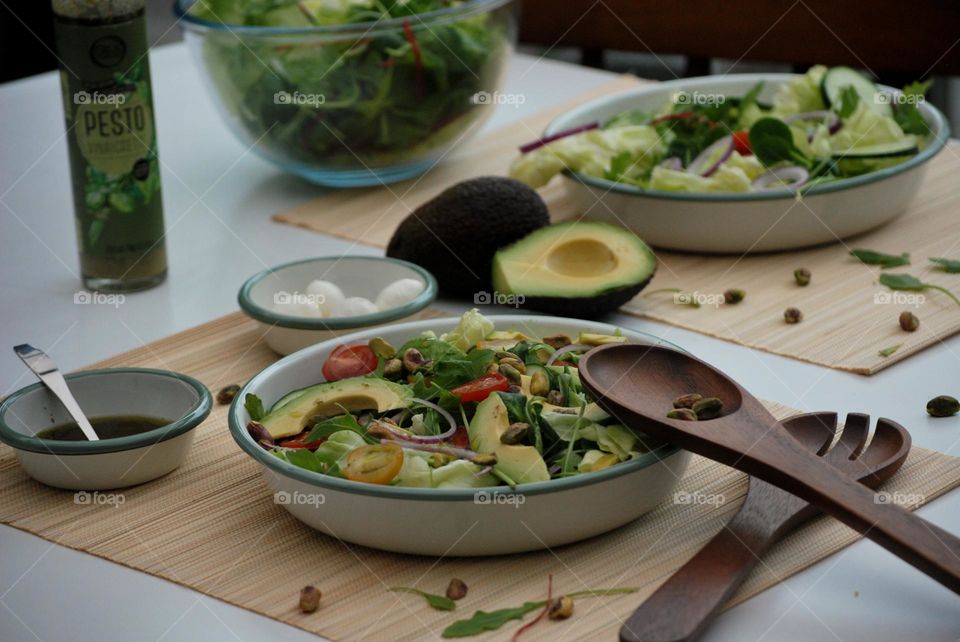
[(682, 607), (637, 383)]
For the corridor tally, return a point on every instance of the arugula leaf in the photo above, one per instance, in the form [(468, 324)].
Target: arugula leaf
[(450, 366), (849, 99), (346, 421), (439, 602), (489, 621), (912, 283), (772, 142), (254, 406), (871, 257), (520, 409), (947, 265), (886, 352), (303, 458), (482, 621), (905, 111)]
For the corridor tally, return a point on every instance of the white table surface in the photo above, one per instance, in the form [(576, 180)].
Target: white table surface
[(218, 200)]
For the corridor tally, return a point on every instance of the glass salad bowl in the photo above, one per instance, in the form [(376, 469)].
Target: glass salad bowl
[(358, 104)]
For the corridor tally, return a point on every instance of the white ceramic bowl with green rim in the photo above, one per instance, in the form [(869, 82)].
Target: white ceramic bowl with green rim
[(108, 463), (738, 222), (459, 522), (362, 276)]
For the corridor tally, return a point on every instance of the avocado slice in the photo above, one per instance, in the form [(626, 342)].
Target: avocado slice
[(329, 399), (522, 464), (578, 268), (455, 234)]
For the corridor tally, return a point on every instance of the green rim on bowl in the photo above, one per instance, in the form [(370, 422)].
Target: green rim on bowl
[(181, 10), (268, 316), (239, 432), (941, 126), (192, 419)]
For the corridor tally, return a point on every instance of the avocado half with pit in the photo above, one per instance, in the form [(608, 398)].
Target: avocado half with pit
[(581, 268)]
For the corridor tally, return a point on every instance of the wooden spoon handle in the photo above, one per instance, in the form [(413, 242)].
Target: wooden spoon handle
[(685, 603), (915, 540)]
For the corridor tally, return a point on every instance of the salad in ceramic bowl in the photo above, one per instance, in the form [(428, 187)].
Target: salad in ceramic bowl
[(410, 433), (730, 156)]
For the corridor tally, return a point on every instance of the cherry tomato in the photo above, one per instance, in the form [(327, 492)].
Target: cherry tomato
[(461, 438), (481, 387), (741, 142), (349, 361), (374, 464), (299, 441)]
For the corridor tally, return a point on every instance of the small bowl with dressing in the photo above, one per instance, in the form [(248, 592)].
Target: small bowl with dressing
[(312, 300), (145, 419)]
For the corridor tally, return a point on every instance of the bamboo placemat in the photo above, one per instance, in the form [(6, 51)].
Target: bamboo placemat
[(843, 327), (212, 526)]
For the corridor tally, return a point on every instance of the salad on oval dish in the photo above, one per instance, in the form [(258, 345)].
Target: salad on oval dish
[(474, 407), (825, 125)]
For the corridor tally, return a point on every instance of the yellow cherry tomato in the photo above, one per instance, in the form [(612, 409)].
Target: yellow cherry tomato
[(374, 464)]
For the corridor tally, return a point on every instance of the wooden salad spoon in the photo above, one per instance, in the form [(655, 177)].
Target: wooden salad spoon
[(637, 383), (683, 605)]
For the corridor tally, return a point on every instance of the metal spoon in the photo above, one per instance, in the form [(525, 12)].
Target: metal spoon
[(683, 605), (46, 370), (638, 383)]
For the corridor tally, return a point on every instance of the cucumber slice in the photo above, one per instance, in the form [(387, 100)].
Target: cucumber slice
[(906, 147), (838, 78)]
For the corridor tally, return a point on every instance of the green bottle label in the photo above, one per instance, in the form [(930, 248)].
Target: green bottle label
[(105, 78)]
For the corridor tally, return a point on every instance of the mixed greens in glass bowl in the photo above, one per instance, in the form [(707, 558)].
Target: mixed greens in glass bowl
[(351, 92)]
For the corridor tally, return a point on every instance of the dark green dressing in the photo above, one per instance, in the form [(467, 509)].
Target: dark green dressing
[(110, 427)]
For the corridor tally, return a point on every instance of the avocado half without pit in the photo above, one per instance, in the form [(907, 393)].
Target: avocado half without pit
[(581, 268)]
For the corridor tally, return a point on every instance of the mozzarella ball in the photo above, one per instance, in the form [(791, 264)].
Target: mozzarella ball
[(398, 293), (328, 296), (355, 306)]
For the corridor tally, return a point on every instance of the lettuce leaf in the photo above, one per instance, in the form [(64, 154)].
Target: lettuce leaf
[(728, 178), (866, 127), (591, 153), (471, 330), (800, 94)]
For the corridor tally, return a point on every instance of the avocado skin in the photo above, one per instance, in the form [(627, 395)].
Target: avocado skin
[(456, 234), (586, 307)]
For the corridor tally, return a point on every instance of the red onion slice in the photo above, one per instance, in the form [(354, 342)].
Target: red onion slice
[(673, 163), (790, 177), (537, 144), (397, 433), (459, 453), (573, 347), (720, 150)]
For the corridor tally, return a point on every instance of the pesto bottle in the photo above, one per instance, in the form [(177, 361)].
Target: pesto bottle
[(112, 142)]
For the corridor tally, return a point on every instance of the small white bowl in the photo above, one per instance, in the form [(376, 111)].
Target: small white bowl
[(362, 276), (107, 463), (738, 222), (459, 522)]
